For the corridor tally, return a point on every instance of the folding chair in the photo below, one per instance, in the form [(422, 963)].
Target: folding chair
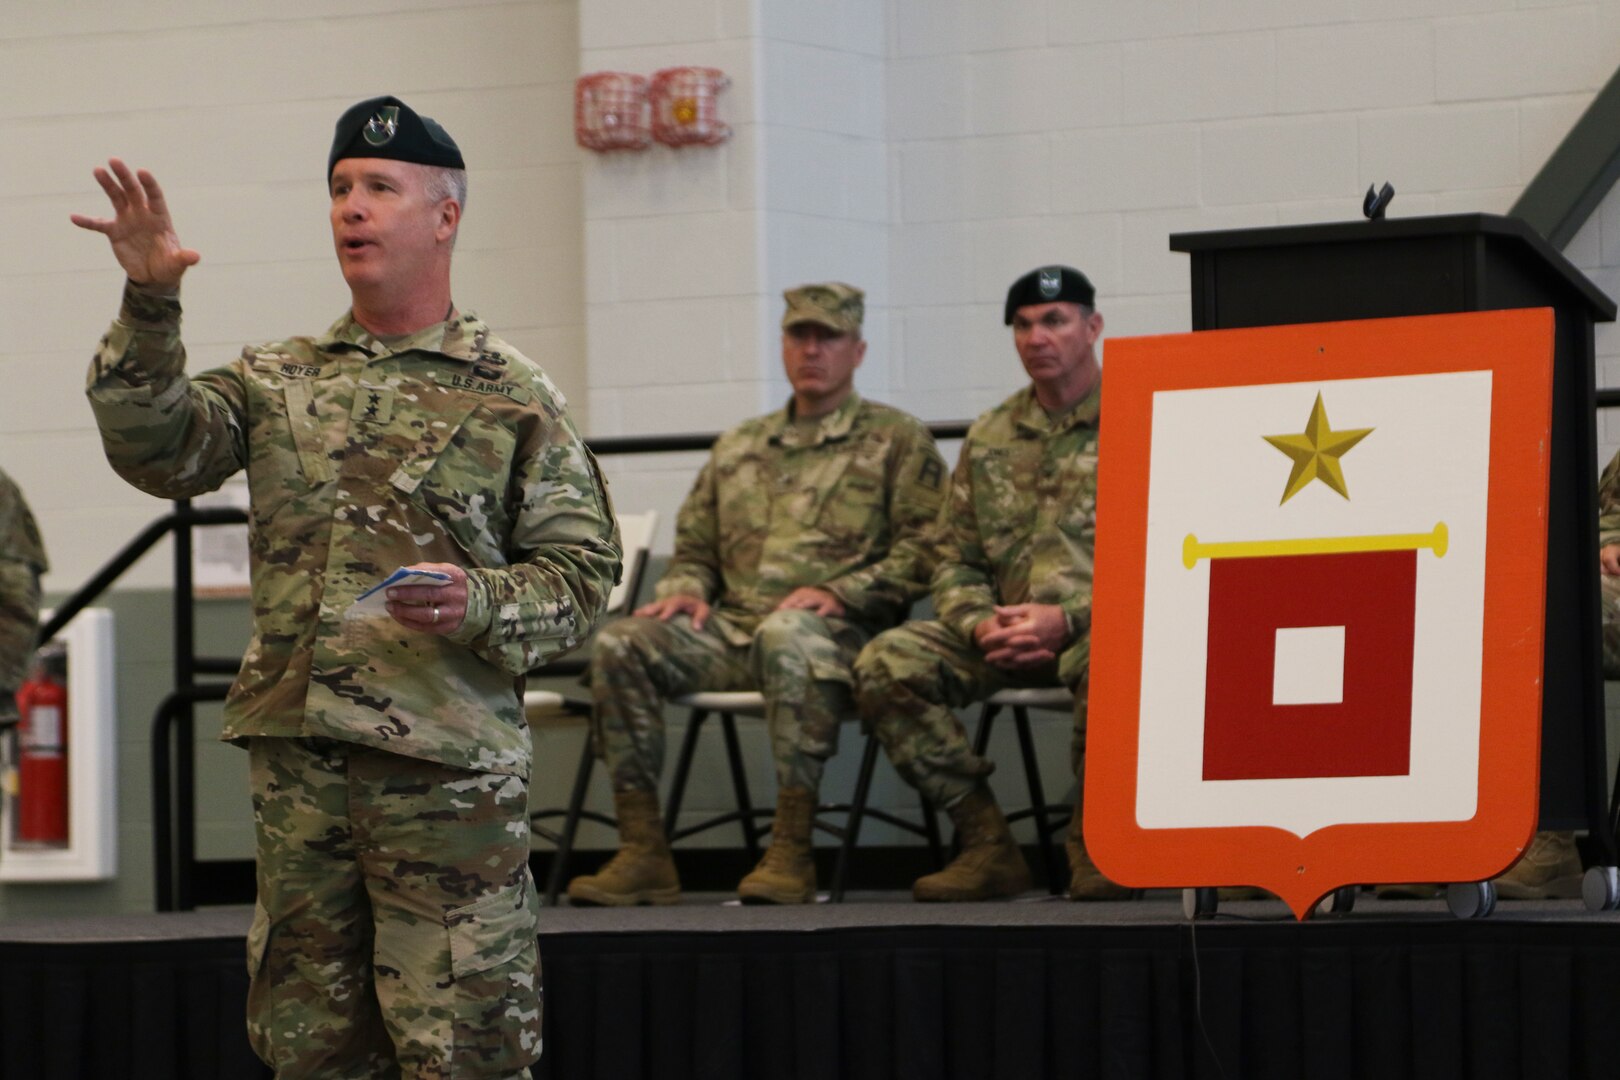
[(1020, 701), (635, 533), (728, 705)]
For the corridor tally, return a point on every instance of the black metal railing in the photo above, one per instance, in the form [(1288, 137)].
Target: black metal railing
[(173, 742), (175, 715), (173, 766)]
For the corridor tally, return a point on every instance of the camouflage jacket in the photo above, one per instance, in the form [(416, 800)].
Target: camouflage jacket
[(22, 560), (1023, 519), (1609, 504), (845, 505), (364, 455)]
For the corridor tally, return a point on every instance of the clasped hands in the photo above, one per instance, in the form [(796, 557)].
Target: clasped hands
[(1019, 637)]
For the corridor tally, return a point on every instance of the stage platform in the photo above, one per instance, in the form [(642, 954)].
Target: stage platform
[(881, 987)]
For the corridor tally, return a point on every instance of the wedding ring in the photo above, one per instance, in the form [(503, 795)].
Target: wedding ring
[(435, 612)]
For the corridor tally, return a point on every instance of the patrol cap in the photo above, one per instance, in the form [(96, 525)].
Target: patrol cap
[(832, 304), (386, 127), (1049, 285)]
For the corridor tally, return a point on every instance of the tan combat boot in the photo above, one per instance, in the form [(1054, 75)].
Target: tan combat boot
[(989, 865), (642, 871), (1086, 882), (1550, 869), (787, 873)]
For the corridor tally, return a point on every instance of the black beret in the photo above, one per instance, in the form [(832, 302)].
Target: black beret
[(1048, 285), (386, 127)]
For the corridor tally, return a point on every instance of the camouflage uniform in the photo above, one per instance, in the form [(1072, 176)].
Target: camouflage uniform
[(364, 454), (22, 561), (1609, 533), (842, 503), (454, 982), (1020, 528)]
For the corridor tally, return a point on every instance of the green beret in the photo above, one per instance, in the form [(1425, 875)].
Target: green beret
[(386, 127), (836, 306), (1049, 285)]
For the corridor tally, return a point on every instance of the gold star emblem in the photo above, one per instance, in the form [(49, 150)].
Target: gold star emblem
[(1316, 453)]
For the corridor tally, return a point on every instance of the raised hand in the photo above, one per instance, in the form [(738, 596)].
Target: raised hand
[(141, 232)]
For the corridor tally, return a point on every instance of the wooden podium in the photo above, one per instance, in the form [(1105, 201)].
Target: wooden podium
[(1462, 263)]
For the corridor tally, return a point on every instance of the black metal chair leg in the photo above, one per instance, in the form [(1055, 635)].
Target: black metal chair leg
[(857, 811), (1037, 797), (936, 844), (683, 768), (576, 803), (981, 737), (739, 784), (981, 743)]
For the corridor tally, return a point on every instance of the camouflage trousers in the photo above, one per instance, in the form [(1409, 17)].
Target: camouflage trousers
[(908, 683), (395, 930), (1611, 626), (800, 661)]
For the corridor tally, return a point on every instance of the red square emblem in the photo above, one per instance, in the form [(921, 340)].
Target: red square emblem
[(1368, 732)]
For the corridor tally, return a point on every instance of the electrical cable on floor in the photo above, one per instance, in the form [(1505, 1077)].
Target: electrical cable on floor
[(1198, 999)]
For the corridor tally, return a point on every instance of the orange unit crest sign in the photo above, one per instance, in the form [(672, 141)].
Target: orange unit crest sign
[(1317, 620)]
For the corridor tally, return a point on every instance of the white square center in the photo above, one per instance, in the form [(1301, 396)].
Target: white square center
[(1309, 668)]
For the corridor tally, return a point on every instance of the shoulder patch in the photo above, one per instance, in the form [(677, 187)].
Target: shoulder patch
[(931, 475)]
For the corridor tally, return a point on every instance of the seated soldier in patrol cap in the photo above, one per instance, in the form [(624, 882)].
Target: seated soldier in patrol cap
[(1012, 591), (395, 931), (804, 534)]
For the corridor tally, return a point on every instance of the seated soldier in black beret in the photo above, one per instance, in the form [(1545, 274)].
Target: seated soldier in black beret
[(1012, 590)]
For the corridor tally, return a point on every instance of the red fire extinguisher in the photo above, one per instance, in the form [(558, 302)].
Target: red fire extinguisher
[(42, 736)]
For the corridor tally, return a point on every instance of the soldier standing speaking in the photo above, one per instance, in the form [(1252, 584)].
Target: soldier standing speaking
[(395, 930)]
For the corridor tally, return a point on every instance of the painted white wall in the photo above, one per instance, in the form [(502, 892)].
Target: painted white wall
[(1017, 134), (1086, 132), (927, 150), (231, 105), (688, 250)]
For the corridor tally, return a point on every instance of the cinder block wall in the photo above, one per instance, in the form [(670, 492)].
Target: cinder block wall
[(1088, 132), (231, 105)]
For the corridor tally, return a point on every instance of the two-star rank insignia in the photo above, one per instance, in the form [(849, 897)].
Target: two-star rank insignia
[(373, 404)]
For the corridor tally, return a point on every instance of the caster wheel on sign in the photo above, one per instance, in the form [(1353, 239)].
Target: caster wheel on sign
[(1340, 901), (1471, 899), (1200, 903), (1600, 888)]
